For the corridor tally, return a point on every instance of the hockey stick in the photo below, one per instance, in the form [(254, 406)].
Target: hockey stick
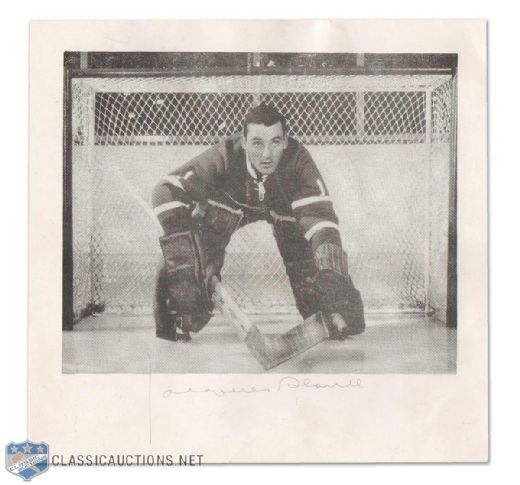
[(270, 351)]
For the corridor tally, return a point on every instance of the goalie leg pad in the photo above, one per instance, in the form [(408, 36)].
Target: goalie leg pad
[(301, 277), (165, 322), (335, 289), (297, 256), (168, 324), (185, 270), (331, 257)]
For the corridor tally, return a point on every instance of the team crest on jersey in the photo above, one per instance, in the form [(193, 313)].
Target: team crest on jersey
[(27, 459)]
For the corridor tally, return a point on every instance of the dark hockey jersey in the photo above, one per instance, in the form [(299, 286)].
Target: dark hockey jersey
[(294, 192)]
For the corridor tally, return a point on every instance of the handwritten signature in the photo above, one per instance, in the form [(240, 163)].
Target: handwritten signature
[(286, 383), (290, 382)]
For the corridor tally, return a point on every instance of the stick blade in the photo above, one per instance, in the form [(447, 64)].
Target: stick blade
[(272, 351)]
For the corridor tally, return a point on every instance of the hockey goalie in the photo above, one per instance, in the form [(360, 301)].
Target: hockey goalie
[(259, 174)]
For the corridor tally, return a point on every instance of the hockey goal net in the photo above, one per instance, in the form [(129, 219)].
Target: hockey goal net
[(382, 143)]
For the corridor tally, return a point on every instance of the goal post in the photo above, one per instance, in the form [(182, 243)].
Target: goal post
[(383, 143)]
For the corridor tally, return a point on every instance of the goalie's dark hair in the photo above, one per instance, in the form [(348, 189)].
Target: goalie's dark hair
[(264, 114)]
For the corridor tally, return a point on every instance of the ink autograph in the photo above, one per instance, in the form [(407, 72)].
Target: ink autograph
[(287, 383)]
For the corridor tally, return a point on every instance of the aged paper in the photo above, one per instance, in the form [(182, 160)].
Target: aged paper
[(238, 415)]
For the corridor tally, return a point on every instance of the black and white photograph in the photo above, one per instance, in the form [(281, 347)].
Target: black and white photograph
[(252, 212), (259, 241)]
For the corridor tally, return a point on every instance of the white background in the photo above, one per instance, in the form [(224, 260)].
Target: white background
[(504, 241)]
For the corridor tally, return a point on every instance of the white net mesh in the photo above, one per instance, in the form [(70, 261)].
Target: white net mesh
[(379, 141)]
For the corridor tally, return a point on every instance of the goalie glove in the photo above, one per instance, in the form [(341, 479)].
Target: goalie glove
[(217, 217), (339, 300)]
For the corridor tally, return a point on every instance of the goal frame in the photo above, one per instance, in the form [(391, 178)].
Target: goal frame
[(71, 73)]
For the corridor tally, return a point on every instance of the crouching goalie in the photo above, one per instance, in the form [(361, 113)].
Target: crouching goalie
[(260, 174)]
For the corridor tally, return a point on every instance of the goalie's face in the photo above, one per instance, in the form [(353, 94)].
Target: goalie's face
[(264, 146)]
